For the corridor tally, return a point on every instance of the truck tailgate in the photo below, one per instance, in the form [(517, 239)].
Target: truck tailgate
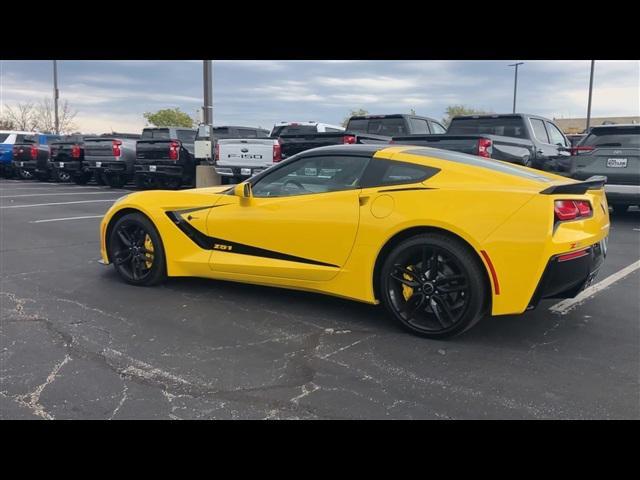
[(245, 152), (458, 143), (152, 149), (292, 143)]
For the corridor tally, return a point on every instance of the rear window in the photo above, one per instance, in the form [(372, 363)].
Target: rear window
[(155, 134), (613, 137), (508, 127), (53, 138), (3, 137), (389, 127), (294, 130), (187, 136)]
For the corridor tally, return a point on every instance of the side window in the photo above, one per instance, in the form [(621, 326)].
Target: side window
[(556, 135), (390, 172), (539, 130), (187, 136), (312, 175), (262, 134), (437, 128), (418, 125)]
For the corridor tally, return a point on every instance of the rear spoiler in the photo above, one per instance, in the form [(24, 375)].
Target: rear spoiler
[(592, 183)]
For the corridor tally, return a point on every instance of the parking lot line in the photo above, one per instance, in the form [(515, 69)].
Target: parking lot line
[(66, 218), (564, 306), (62, 193), (57, 203)]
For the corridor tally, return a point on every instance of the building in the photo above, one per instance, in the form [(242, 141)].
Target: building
[(578, 125)]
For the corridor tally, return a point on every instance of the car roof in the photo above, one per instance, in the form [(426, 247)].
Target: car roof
[(616, 125)]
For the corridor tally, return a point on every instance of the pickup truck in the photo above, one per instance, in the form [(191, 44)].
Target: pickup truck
[(165, 157), (8, 138), (240, 158), (360, 129), (32, 152), (612, 151), (67, 160), (111, 157), (528, 140)]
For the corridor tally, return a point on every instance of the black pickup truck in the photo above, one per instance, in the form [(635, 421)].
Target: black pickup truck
[(67, 160), (31, 152), (361, 129), (528, 140), (165, 157)]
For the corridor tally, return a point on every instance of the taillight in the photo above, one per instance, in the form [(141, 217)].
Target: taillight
[(115, 148), (349, 139), (277, 152), (577, 150), (174, 150), (573, 255), (217, 152), (571, 209), (34, 152), (75, 151), (484, 147)]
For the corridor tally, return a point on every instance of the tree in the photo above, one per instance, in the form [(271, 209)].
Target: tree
[(456, 110), (6, 124), (354, 113), (45, 117), (22, 116), (169, 117), (41, 117)]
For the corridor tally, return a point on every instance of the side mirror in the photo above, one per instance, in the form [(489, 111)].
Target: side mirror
[(243, 190)]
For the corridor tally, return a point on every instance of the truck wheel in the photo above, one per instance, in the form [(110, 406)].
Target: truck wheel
[(434, 285), (25, 174), (58, 176), (116, 181), (99, 178), (82, 179), (136, 250)]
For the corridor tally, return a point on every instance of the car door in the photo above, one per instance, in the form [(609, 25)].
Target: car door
[(300, 223), (545, 152)]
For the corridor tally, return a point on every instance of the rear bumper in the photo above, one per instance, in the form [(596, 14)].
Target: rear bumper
[(25, 164), (110, 166), (159, 170), (565, 277), (69, 167), (242, 172), (623, 193)]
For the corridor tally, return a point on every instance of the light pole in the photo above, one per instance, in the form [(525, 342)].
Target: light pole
[(590, 93), (207, 75), (515, 84), (56, 95)]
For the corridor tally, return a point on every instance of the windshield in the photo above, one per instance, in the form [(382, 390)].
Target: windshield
[(504, 126), (613, 137)]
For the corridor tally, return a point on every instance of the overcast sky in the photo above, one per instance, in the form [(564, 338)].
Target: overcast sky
[(114, 94)]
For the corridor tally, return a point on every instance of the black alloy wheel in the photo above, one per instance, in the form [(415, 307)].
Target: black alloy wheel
[(434, 285), (136, 250)]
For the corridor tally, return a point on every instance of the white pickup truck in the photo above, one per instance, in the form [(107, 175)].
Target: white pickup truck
[(237, 159)]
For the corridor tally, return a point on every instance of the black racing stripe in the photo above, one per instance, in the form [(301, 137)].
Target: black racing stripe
[(189, 210), (406, 189), (219, 244)]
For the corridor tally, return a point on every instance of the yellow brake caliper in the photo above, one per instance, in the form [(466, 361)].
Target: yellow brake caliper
[(407, 291), (148, 245)]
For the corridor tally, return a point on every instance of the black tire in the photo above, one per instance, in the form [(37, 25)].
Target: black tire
[(619, 208), (82, 179), (136, 261), (61, 177), (100, 178), (116, 181), (414, 299), (25, 174)]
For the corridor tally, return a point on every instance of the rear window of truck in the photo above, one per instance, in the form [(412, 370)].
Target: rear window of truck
[(156, 134), (294, 130), (613, 137), (389, 127), (508, 127)]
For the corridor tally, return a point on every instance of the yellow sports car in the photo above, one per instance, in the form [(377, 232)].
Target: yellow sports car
[(440, 238)]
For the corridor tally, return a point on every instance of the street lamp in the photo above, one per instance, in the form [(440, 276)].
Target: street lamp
[(590, 92), (56, 95), (515, 84)]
